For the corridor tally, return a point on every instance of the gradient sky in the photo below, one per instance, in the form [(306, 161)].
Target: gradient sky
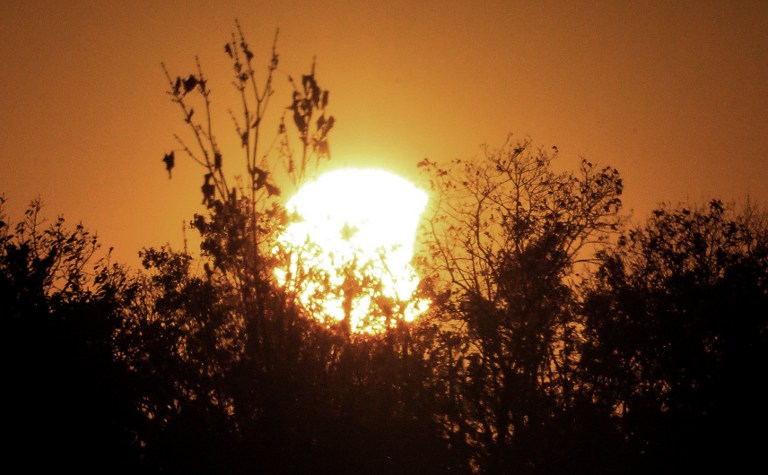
[(673, 94)]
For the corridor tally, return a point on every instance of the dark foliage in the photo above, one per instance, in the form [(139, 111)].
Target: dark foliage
[(68, 403), (677, 338), (506, 233), (557, 341), (237, 376)]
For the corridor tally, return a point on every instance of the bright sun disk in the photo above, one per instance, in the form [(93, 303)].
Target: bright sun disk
[(350, 248)]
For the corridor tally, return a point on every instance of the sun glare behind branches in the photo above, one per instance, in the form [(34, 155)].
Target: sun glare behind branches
[(349, 249)]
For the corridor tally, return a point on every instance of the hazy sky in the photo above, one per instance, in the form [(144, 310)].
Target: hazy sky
[(673, 94)]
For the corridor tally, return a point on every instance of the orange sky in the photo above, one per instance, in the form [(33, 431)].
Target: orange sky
[(673, 94)]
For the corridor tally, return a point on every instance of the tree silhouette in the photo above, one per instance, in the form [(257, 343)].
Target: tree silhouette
[(557, 339), (69, 403), (236, 375), (506, 233), (676, 322)]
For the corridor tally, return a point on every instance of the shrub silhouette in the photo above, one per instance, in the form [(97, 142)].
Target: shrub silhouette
[(676, 324), (69, 402)]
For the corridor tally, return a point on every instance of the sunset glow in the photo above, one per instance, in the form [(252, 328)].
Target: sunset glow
[(351, 247)]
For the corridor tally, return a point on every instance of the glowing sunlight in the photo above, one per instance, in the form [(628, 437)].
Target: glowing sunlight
[(349, 247)]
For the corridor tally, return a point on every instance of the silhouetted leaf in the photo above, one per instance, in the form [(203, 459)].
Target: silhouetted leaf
[(190, 83), (208, 190), (199, 222), (298, 119), (322, 148), (306, 82), (261, 178), (169, 161), (347, 231), (272, 190)]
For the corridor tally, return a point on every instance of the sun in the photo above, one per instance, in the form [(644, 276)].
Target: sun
[(348, 249)]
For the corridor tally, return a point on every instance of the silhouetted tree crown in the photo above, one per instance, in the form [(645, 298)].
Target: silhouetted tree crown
[(677, 336), (505, 234)]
